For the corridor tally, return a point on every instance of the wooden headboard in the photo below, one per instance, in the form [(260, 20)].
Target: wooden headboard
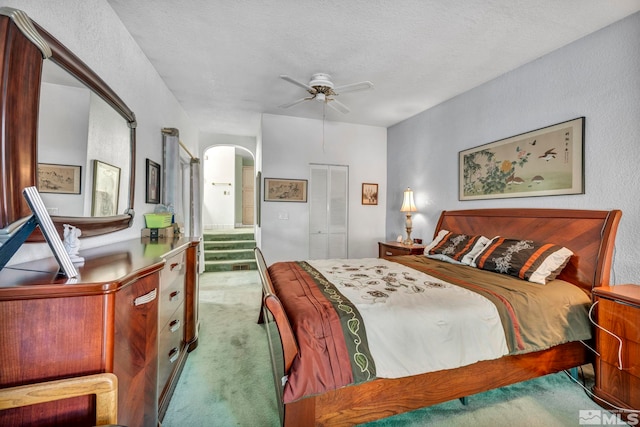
[(589, 234)]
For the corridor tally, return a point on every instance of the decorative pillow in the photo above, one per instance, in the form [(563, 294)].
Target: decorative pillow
[(526, 259), (455, 248)]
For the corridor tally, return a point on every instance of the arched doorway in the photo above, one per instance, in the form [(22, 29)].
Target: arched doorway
[(228, 188)]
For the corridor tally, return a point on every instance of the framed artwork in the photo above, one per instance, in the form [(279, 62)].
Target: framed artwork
[(285, 190), (153, 182), (369, 194), (64, 179), (544, 162), (106, 187)]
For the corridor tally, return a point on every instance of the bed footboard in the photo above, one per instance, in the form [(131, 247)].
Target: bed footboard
[(383, 398), (283, 346)]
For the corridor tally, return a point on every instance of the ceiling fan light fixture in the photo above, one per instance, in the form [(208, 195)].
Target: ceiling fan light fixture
[(321, 97), (321, 79)]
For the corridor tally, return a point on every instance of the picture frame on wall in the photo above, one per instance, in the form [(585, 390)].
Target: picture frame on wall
[(106, 189), (62, 179), (285, 190), (369, 194), (152, 194), (544, 162)]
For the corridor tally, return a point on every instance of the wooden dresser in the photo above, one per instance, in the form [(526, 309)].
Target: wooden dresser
[(132, 311), (618, 311)]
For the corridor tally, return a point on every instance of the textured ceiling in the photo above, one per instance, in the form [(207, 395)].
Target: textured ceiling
[(222, 59)]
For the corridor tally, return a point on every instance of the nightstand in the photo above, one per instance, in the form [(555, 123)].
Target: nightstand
[(387, 249), (618, 311)]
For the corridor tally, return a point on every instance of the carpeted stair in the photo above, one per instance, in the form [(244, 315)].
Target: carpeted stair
[(229, 250)]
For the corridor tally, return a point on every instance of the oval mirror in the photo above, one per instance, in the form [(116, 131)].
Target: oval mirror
[(66, 131)]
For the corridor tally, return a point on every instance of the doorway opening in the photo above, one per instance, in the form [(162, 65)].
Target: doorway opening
[(229, 188)]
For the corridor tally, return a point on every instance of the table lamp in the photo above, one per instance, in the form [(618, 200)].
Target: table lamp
[(408, 206)]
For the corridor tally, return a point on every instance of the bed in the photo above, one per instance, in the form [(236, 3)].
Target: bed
[(308, 397)]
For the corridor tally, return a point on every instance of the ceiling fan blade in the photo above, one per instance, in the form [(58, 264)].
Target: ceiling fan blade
[(297, 101), (353, 87), (337, 105), (295, 82)]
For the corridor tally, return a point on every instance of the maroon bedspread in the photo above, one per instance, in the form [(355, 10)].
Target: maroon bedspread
[(318, 313)]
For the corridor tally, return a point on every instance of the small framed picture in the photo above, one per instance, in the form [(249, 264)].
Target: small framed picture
[(285, 190), (369, 194), (106, 189), (64, 179), (153, 182)]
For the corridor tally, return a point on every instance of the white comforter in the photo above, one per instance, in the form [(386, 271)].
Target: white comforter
[(416, 323)]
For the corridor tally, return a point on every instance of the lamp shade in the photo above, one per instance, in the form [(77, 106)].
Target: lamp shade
[(407, 202)]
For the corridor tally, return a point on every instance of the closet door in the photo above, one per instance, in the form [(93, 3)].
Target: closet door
[(328, 211)]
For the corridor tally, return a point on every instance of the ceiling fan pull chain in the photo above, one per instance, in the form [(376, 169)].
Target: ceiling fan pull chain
[(324, 111)]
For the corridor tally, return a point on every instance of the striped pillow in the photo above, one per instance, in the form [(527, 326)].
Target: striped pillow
[(455, 248), (526, 259)]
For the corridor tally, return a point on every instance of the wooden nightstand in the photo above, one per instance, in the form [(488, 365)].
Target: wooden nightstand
[(387, 249), (618, 310)]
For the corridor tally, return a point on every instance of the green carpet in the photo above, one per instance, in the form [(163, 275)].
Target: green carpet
[(227, 380)]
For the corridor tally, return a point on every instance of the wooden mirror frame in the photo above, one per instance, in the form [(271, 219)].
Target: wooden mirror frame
[(24, 45)]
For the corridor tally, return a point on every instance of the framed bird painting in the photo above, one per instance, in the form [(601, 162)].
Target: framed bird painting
[(543, 162)]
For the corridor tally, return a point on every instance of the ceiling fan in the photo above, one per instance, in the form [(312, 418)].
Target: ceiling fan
[(321, 88)]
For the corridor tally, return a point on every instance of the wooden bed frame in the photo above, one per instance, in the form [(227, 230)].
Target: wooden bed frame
[(589, 234)]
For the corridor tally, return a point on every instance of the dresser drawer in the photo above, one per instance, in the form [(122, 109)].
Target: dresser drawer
[(391, 251), (173, 270), (609, 346), (619, 318), (621, 384), (170, 346), (172, 291), (387, 249), (170, 299)]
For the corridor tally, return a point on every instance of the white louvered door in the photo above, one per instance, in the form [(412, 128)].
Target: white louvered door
[(328, 211)]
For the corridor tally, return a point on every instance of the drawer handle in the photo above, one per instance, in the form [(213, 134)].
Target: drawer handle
[(174, 326), (174, 265), (388, 253), (173, 354), (174, 295), (146, 298)]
